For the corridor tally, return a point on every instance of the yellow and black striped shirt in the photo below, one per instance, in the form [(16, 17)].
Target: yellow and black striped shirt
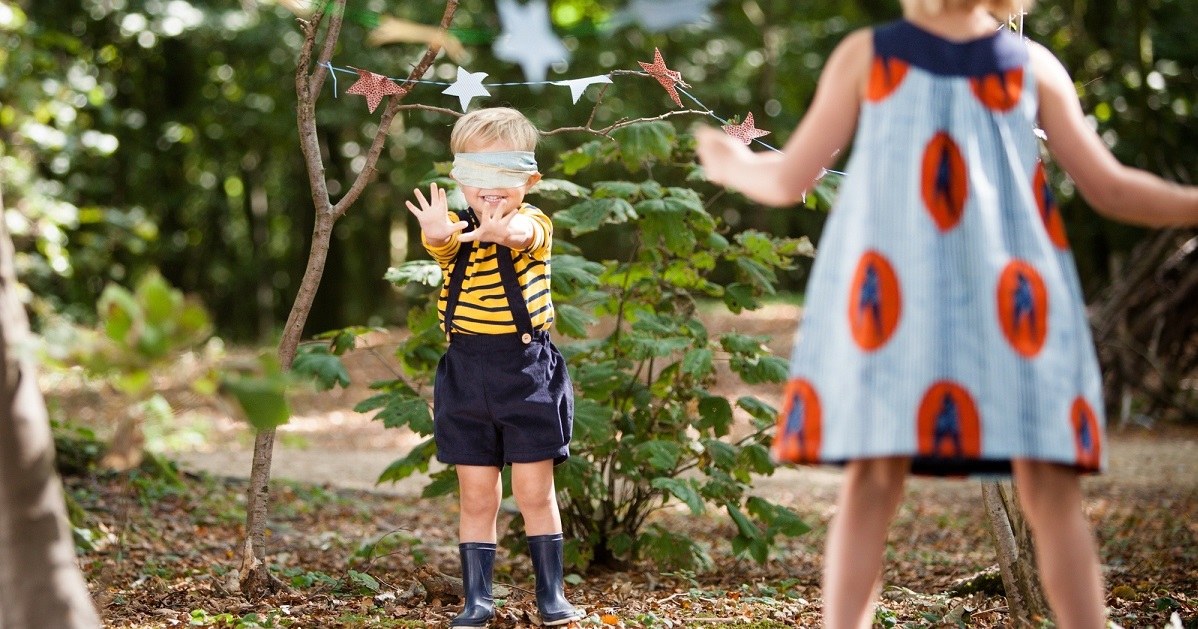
[(482, 306)]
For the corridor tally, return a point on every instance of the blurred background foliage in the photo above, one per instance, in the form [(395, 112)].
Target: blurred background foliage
[(160, 134)]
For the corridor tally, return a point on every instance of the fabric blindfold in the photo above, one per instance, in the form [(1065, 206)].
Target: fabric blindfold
[(502, 169)]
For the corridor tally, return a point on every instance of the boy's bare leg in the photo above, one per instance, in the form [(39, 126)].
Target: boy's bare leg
[(532, 486), (1065, 552), (856, 542), (481, 490)]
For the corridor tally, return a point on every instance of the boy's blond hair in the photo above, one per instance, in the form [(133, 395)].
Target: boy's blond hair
[(484, 126), (1000, 8)]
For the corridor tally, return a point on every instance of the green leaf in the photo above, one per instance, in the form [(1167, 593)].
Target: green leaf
[(573, 161), (645, 142), (158, 299), (315, 362), (715, 413), (682, 490), (558, 189), (697, 362), (740, 297), (760, 411), (425, 272), (576, 272), (592, 421), (723, 455), (412, 412), (660, 455), (443, 484), (591, 214), (616, 189), (572, 320), (417, 460), (743, 525), (757, 273), (262, 398)]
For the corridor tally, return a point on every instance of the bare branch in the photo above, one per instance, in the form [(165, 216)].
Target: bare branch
[(330, 42), (607, 131)]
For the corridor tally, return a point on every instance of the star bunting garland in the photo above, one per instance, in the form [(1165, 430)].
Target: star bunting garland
[(373, 86), (469, 85), (667, 77), (745, 131)]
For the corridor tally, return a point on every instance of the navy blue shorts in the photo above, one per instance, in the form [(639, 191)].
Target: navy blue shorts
[(498, 401)]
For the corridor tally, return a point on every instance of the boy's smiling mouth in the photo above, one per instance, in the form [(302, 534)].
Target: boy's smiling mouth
[(493, 198)]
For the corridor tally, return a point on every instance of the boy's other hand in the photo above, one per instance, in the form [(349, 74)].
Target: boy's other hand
[(433, 215)]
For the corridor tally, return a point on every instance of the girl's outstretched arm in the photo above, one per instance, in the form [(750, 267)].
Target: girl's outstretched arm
[(781, 178), (1116, 191)]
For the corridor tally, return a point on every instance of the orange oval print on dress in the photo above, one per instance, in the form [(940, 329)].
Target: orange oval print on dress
[(885, 76), (1086, 435), (1023, 308), (948, 423), (1049, 211), (875, 302), (999, 91), (798, 436), (944, 184)]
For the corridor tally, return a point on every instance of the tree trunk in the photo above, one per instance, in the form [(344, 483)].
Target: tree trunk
[(40, 581), (1016, 556)]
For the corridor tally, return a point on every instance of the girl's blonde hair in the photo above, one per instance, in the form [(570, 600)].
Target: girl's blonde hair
[(1000, 8), (485, 126)]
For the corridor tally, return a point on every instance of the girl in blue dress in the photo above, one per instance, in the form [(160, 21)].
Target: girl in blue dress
[(945, 331)]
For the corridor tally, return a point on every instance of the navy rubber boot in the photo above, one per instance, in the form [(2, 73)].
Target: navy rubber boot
[(478, 560), (552, 606)]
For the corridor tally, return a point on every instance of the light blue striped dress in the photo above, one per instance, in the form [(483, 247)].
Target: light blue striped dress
[(945, 321)]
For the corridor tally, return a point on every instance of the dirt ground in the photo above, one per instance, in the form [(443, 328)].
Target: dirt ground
[(1145, 509)]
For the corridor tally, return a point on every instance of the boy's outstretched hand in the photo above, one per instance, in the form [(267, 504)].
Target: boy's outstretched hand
[(433, 215), (508, 228)]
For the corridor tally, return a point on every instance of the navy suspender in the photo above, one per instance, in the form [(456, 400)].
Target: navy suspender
[(507, 274)]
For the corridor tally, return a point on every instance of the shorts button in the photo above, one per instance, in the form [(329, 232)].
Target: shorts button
[(527, 338)]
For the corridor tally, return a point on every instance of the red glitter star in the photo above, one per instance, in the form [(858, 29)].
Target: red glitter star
[(373, 86), (745, 131), (667, 77)]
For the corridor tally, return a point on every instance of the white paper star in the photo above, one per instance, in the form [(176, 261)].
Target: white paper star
[(578, 86), (656, 16), (467, 86), (527, 38)]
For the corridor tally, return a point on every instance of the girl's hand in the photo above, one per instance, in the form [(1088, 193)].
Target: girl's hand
[(433, 215), (719, 154)]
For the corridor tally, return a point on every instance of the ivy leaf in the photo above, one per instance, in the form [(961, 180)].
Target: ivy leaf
[(262, 398), (722, 454), (757, 273), (573, 161), (576, 272)]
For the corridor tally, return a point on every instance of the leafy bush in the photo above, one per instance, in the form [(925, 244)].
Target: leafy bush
[(647, 428)]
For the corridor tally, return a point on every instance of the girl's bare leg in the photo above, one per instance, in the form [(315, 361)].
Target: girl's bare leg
[(856, 543), (1065, 551)]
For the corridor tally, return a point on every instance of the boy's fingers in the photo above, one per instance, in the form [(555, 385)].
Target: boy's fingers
[(420, 195), (412, 208)]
